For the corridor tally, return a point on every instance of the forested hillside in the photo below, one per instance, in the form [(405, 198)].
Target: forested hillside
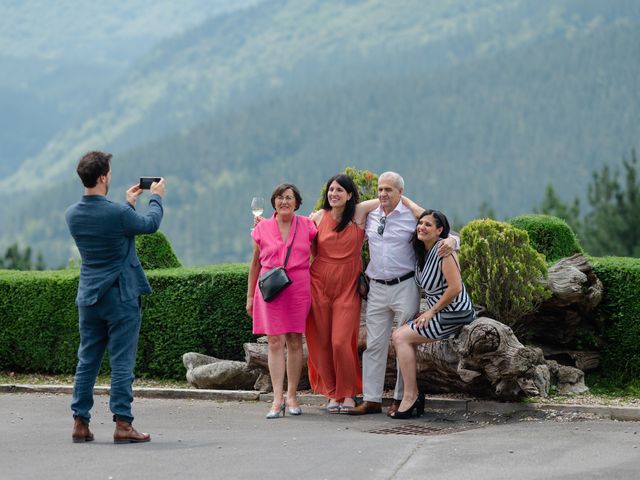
[(472, 102), (59, 59)]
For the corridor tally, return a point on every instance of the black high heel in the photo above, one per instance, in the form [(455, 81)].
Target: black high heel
[(418, 406)]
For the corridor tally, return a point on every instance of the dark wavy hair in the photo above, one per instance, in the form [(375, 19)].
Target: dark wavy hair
[(418, 246), (92, 166), (349, 185), (280, 189)]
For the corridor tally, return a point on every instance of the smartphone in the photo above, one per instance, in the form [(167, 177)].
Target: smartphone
[(145, 182)]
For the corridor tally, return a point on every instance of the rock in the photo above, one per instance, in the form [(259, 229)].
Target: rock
[(209, 372), (568, 380)]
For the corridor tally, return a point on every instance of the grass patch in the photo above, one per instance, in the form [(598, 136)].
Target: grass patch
[(103, 380), (600, 385)]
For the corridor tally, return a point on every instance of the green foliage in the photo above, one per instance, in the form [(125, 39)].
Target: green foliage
[(612, 225), (501, 269), (196, 309), (549, 235), (154, 251), (600, 384), (366, 181), (553, 205), (620, 311), (14, 259)]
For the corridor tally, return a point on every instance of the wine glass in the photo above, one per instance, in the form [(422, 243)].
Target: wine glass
[(257, 207)]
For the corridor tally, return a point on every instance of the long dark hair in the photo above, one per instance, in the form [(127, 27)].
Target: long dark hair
[(418, 246), (349, 185)]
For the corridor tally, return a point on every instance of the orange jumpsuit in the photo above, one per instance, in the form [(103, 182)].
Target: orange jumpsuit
[(334, 320)]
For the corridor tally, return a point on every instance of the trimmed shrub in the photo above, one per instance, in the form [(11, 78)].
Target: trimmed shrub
[(549, 235), (155, 251), (194, 309), (620, 313), (501, 269)]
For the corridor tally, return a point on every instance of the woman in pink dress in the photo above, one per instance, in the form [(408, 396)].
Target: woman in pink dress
[(283, 319)]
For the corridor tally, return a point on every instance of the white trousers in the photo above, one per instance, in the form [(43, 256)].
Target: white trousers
[(387, 305)]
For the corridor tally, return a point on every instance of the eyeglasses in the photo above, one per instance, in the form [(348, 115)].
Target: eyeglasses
[(288, 198), (383, 222)]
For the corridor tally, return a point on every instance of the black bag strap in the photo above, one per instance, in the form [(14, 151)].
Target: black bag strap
[(457, 264), (291, 244)]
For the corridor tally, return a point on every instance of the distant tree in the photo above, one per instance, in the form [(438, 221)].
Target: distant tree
[(612, 226), (485, 210), (14, 259), (40, 263), (553, 205)]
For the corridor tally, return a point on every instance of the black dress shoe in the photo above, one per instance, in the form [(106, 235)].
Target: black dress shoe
[(366, 407)]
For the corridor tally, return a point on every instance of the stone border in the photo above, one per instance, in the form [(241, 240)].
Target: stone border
[(466, 405)]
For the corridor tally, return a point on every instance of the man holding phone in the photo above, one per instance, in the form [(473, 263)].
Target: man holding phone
[(111, 282)]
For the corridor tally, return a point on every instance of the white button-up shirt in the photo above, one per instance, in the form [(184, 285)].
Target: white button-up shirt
[(392, 255)]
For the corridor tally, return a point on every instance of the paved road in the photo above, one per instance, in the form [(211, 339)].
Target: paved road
[(198, 439)]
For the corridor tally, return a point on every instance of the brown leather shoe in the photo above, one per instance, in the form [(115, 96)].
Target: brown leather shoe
[(125, 433), (366, 407), (81, 432), (393, 408)]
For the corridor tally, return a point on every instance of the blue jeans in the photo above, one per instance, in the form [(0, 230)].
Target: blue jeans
[(111, 325)]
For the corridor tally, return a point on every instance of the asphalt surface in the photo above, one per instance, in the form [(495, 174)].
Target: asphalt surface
[(205, 439)]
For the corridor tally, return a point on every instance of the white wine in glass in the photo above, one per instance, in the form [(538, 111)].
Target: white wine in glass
[(257, 206)]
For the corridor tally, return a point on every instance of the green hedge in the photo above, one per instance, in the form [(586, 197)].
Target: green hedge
[(549, 235), (620, 312), (194, 309)]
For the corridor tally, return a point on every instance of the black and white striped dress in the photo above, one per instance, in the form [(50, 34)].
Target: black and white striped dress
[(432, 281)]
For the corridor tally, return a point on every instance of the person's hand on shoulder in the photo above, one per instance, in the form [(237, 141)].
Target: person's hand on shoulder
[(316, 216), (446, 247), (157, 188)]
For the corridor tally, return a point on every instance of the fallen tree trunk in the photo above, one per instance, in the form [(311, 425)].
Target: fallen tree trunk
[(256, 358), (486, 359), (568, 313)]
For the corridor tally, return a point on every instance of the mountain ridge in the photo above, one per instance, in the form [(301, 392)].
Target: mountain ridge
[(462, 125)]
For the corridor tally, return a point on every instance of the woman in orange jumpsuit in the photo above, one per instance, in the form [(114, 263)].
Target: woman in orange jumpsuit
[(334, 320)]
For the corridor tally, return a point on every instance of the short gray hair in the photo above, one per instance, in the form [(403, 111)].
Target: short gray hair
[(395, 178)]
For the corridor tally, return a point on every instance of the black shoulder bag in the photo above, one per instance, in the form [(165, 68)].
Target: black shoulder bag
[(461, 317), (274, 281)]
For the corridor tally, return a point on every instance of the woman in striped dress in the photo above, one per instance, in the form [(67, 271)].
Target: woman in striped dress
[(442, 283)]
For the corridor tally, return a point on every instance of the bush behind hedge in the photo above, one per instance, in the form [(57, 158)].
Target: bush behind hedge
[(620, 312), (549, 235), (155, 251), (194, 309), (501, 269)]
